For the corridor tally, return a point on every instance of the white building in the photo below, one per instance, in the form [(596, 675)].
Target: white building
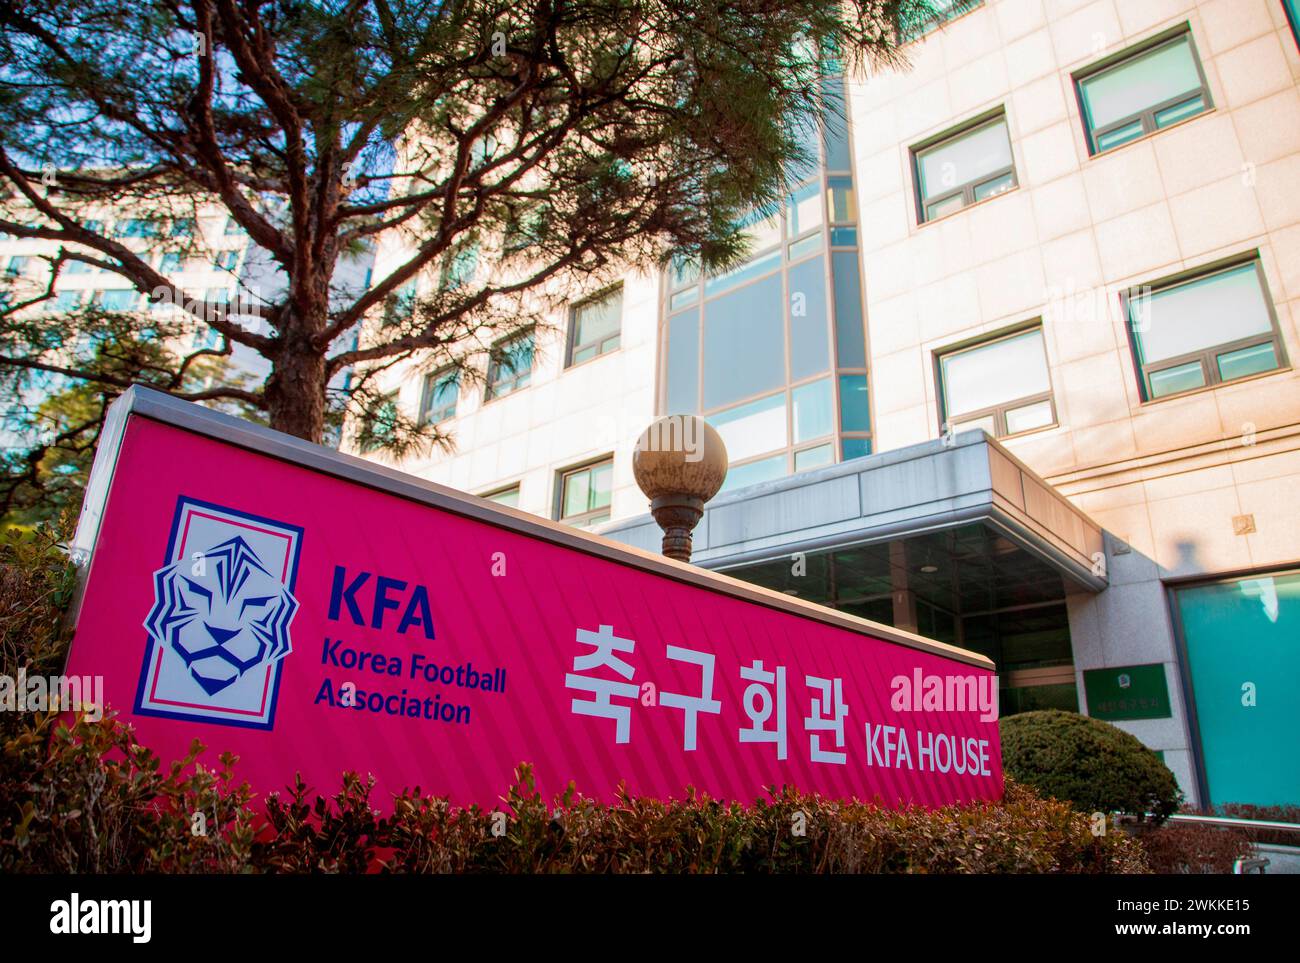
[(1074, 224)]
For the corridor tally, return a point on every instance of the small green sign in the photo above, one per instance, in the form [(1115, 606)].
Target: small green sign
[(1127, 692)]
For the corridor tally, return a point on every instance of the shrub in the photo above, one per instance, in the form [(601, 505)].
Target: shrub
[(90, 799), (1089, 763), (36, 585), (1192, 848)]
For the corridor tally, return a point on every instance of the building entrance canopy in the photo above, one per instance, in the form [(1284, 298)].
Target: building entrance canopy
[(963, 508)]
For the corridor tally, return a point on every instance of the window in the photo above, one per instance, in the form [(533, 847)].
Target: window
[(170, 263), (1204, 330), (67, 301), (183, 227), (117, 299), (944, 10), (232, 228), (459, 267), (227, 260), (525, 226), (441, 389), (1154, 87), (509, 366), (1292, 8), (1001, 386), (585, 494), (596, 326), (1231, 631), (137, 227), (973, 164), (505, 496), (17, 266), (772, 352), (382, 428)]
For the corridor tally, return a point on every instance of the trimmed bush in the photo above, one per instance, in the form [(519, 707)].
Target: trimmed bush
[(1192, 849), (91, 800), (1089, 763)]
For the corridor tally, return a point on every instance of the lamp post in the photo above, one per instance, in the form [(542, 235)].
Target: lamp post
[(680, 462)]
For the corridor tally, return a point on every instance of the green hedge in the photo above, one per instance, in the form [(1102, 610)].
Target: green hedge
[(92, 800), (1088, 763)]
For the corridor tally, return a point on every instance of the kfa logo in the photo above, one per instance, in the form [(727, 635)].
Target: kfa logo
[(219, 626)]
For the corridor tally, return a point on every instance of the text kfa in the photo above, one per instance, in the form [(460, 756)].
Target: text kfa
[(384, 595)]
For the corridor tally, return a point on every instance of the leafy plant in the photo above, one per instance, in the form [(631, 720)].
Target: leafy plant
[(1087, 762)]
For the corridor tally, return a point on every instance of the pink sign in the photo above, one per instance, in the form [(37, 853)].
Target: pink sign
[(313, 619)]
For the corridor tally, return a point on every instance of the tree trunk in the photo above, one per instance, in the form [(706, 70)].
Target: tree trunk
[(295, 392)]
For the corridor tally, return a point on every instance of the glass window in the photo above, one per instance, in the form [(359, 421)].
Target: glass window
[(596, 326), (1205, 330), (813, 457), (1292, 8), (183, 227), (742, 273), (1153, 88), (1238, 631), (754, 428), (803, 210), (117, 299), (382, 429), (835, 134), (440, 393), (505, 496), (67, 301), (232, 228), (855, 414), (810, 351), (744, 343), (814, 410), (459, 268), (509, 366), (585, 494), (136, 227), (855, 448), (170, 262), (683, 397), (841, 200), (751, 473), (400, 304), (850, 339), (1001, 386), (966, 167), (226, 260)]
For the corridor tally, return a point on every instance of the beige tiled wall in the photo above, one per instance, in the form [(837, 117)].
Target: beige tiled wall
[(1077, 231)]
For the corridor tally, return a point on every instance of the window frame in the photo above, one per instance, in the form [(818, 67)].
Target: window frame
[(999, 411), (494, 493), (431, 379), (965, 190), (490, 392), (1147, 116), (584, 519), (571, 344), (1208, 356)]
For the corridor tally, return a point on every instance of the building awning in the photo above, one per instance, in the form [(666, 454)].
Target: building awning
[(968, 485)]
